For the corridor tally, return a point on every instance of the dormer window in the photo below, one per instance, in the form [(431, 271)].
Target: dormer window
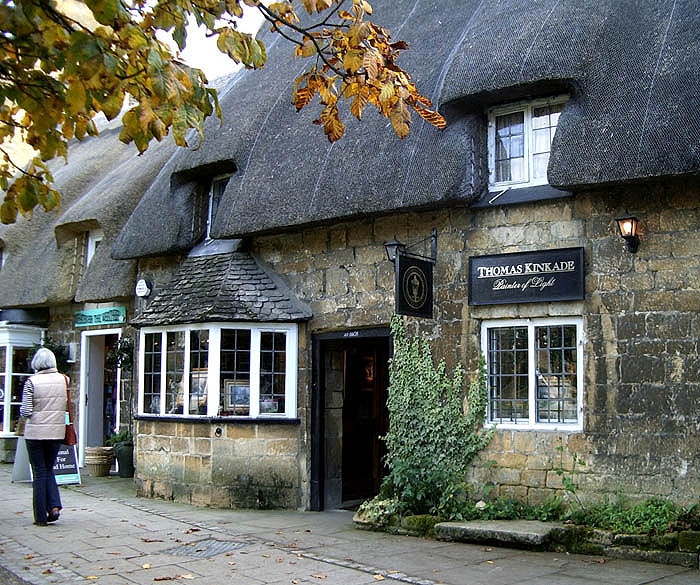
[(519, 139), (216, 190), (94, 237)]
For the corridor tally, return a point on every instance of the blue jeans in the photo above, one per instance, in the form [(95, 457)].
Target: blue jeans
[(42, 456)]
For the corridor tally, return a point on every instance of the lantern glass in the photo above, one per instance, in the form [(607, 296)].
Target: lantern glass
[(627, 226)]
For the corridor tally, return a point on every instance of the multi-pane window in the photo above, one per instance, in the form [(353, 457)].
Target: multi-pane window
[(235, 372), (272, 372), (534, 372), (219, 370), (16, 342), (150, 373), (520, 139)]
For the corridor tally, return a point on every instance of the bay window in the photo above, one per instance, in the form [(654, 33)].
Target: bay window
[(535, 373), (218, 370)]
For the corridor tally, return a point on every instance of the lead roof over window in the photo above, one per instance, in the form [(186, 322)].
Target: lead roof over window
[(223, 287)]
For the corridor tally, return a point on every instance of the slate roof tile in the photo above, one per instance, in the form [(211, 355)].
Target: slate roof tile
[(223, 287)]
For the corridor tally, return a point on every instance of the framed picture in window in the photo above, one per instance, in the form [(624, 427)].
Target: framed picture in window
[(237, 397)]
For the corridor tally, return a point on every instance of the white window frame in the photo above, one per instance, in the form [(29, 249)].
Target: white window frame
[(210, 202), (94, 237), (527, 107), (214, 374), (531, 324), (12, 337)]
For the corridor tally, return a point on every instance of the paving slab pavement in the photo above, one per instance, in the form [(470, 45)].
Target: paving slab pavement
[(108, 536)]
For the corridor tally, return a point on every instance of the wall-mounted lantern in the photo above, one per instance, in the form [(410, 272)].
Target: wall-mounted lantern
[(628, 230), (394, 247)]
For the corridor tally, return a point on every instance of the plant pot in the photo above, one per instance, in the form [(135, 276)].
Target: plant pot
[(125, 458)]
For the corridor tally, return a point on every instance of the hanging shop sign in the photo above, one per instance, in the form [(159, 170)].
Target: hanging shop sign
[(414, 286), (107, 316), (527, 277)]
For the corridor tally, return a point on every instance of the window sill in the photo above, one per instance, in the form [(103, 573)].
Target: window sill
[(220, 419), (559, 428), (513, 195)]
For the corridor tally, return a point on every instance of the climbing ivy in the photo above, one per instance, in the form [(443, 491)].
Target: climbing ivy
[(431, 439)]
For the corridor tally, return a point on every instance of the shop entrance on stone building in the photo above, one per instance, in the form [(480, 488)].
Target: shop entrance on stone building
[(99, 389), (349, 415)]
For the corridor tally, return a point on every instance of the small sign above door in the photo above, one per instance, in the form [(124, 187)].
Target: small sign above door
[(527, 277), (106, 316)]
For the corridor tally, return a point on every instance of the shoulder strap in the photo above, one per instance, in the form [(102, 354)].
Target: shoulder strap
[(70, 406)]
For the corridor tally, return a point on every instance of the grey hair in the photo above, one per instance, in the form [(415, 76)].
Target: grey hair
[(43, 359)]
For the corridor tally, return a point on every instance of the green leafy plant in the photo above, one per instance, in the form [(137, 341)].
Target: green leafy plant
[(653, 516), (568, 477), (124, 436), (431, 440)]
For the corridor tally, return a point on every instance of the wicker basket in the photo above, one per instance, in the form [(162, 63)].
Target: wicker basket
[(99, 460)]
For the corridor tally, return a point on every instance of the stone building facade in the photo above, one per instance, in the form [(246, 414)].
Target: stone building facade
[(640, 320), (265, 292)]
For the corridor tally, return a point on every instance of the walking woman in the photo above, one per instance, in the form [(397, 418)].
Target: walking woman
[(44, 405)]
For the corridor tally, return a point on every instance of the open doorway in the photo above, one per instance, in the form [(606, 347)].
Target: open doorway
[(349, 417), (99, 389)]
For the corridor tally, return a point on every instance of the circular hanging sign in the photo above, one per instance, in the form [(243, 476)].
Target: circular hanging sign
[(415, 287), (143, 288)]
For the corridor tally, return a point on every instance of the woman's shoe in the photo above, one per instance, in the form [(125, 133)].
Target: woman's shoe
[(54, 515), (40, 524)]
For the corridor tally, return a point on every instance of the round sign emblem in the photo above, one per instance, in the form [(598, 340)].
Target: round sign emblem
[(415, 287), (143, 288)]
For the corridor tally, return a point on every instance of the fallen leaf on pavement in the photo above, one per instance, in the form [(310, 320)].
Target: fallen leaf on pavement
[(319, 576), (146, 566), (491, 562), (47, 572), (151, 540), (92, 577), (27, 557), (379, 577), (163, 578), (191, 530)]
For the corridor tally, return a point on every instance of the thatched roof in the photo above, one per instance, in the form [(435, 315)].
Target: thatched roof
[(630, 69), (100, 186), (231, 286)]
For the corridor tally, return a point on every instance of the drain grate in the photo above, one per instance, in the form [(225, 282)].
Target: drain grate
[(205, 548)]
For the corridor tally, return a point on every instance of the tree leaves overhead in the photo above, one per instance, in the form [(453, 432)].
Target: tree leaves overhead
[(61, 64)]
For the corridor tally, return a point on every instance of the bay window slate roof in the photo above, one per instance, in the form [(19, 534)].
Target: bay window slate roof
[(222, 288)]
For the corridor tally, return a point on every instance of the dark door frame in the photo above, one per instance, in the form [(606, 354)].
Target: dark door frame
[(318, 403)]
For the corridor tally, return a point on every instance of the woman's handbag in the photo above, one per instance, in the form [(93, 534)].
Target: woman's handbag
[(71, 438)]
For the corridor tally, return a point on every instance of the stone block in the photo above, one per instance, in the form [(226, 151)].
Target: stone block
[(315, 241), (241, 431), (524, 441), (689, 541), (337, 280), (370, 255), (516, 492), (337, 237), (201, 495), (363, 279), (534, 479), (360, 234), (282, 447)]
